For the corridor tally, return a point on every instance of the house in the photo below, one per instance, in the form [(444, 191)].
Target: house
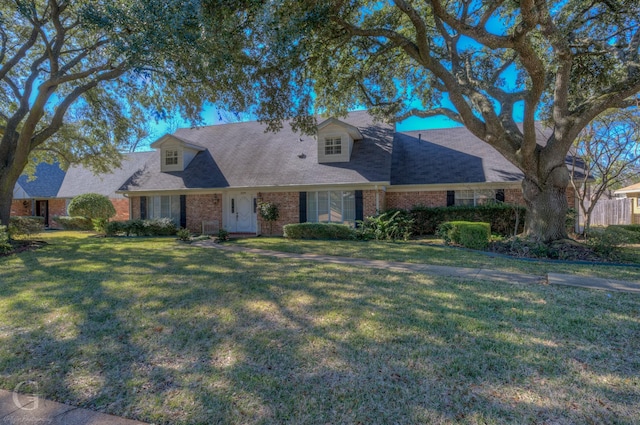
[(214, 177), (632, 192), (37, 195)]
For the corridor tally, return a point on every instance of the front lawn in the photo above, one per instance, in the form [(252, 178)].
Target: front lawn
[(433, 252), (167, 333)]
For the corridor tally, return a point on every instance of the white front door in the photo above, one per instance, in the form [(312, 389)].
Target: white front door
[(241, 212)]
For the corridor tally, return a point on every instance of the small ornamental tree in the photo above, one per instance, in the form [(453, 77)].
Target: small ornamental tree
[(98, 208), (268, 212)]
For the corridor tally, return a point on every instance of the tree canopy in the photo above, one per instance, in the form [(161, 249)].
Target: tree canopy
[(81, 79), (475, 62)]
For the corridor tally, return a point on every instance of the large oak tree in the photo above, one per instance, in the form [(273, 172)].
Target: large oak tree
[(476, 62), (78, 79)]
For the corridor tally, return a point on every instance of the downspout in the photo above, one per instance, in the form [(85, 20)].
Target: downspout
[(377, 200)]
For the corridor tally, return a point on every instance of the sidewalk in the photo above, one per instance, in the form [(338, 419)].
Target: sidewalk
[(19, 409), (445, 271)]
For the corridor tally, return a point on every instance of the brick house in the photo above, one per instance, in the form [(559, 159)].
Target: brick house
[(632, 192), (37, 195), (213, 177)]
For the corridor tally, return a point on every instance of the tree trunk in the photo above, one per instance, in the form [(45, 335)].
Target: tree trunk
[(546, 200), (6, 197)]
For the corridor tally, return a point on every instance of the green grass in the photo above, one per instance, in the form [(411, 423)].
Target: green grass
[(432, 252), (167, 333)]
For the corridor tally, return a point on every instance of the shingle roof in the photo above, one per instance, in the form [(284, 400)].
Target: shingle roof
[(79, 179), (244, 155), (451, 155), (48, 178)]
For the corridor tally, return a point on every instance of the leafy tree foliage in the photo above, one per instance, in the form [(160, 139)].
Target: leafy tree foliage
[(472, 61), (81, 79), (609, 151)]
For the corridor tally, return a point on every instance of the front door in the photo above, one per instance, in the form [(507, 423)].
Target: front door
[(241, 212), (42, 210)]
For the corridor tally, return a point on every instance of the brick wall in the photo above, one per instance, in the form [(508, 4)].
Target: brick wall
[(369, 205), (203, 208), (135, 207), (57, 207), (288, 207), (407, 200), (21, 207), (122, 208)]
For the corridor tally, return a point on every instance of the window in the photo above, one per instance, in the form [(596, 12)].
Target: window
[(170, 157), (331, 207), (164, 206), (333, 145), (475, 197)]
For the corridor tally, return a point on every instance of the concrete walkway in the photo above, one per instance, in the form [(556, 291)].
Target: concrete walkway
[(20, 409), (446, 271)]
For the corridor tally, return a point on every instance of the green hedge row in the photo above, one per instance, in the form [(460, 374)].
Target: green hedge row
[(151, 227), (470, 235), (25, 225), (73, 223), (318, 231), (501, 217)]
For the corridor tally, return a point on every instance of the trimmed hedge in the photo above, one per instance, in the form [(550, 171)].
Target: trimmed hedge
[(151, 227), (472, 235), (25, 225), (73, 223), (501, 217), (318, 231)]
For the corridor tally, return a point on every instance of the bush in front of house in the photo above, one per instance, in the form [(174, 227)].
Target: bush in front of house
[(501, 216), (73, 223), (97, 208), (268, 212), (5, 245), (606, 241), (151, 227), (473, 235), (388, 226), (25, 226), (318, 231)]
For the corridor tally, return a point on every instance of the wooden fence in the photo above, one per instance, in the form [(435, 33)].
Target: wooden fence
[(611, 211)]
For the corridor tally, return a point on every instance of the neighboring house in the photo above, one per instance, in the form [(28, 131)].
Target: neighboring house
[(79, 180), (213, 177), (632, 192), (37, 195)]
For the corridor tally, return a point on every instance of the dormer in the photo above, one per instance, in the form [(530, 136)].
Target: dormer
[(175, 153), (335, 140)]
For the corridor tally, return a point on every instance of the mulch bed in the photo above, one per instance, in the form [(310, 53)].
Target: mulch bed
[(22, 246), (565, 249)]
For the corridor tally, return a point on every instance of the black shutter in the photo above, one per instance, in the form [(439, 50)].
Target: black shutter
[(500, 195), (143, 207), (303, 207), (183, 211), (451, 198), (359, 206)]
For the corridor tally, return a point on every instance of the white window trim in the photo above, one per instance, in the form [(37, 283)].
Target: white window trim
[(332, 143), (477, 196), (342, 194), (173, 155)]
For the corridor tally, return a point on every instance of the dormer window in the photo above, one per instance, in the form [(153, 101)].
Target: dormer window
[(171, 157), (333, 146)]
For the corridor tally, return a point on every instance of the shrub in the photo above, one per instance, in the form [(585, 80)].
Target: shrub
[(92, 206), (630, 232), (606, 240), (502, 217), (5, 245), (468, 234), (25, 226), (268, 212), (318, 231), (73, 223), (183, 235), (391, 226), (223, 236), (152, 227)]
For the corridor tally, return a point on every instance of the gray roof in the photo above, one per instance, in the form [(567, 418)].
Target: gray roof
[(244, 155), (79, 179), (48, 178), (450, 155)]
